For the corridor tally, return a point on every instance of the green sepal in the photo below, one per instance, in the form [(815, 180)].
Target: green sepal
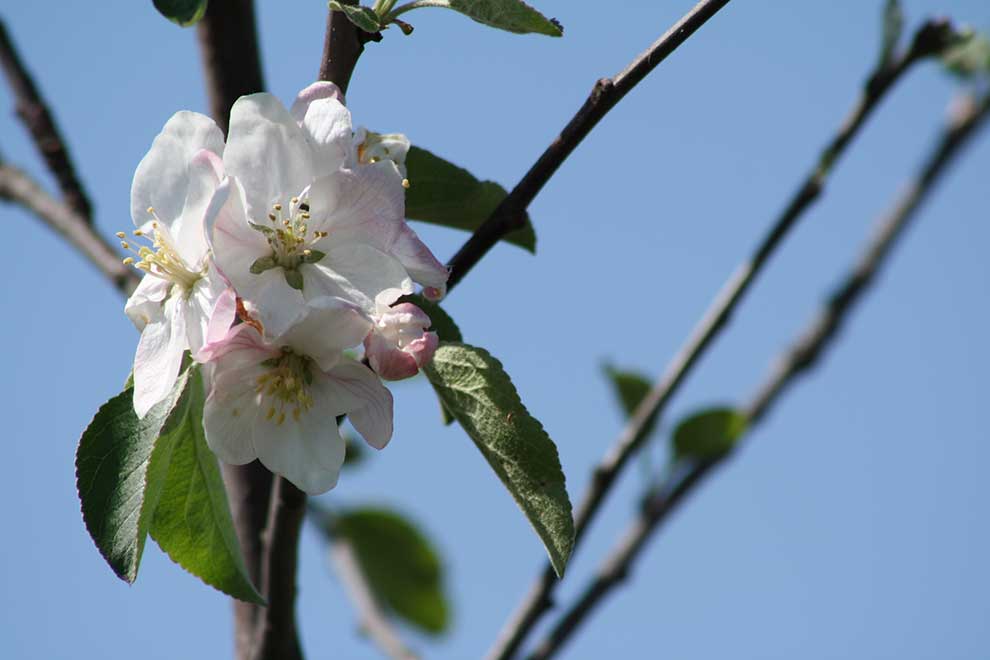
[(293, 278), (262, 264)]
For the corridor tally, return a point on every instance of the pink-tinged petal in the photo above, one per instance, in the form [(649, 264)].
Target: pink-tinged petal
[(352, 388), (231, 413), (276, 304), (419, 262), (308, 452), (159, 357), (236, 245), (268, 152), (162, 177), (399, 344), (368, 203), (145, 304), (319, 110), (356, 272), (221, 318), (242, 346), (205, 172), (329, 326)]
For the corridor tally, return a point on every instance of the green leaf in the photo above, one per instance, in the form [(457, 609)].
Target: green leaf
[(192, 523), (119, 479), (261, 264), (446, 330), (473, 386), (401, 566), (969, 57), (182, 12), (708, 434), (630, 389), (312, 256), (510, 15), (362, 17), (443, 194), (893, 28), (293, 278)]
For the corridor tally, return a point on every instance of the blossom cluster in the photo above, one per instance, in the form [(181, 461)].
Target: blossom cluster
[(268, 258)]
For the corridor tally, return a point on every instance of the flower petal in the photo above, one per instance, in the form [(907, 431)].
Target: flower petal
[(356, 272), (329, 326), (162, 177), (308, 451), (319, 110), (268, 152), (145, 304), (235, 244), (367, 203), (352, 388), (205, 172), (159, 357), (231, 413), (419, 262)]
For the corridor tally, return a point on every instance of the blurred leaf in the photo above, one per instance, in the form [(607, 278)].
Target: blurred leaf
[(893, 28), (969, 57), (192, 522), (443, 194), (630, 388), (182, 12), (363, 17), (400, 564), (474, 387), (708, 434), (120, 474), (354, 453), (510, 15)]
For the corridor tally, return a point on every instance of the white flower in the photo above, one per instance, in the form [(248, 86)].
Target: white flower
[(399, 344), (277, 401), (292, 223), (172, 304), (371, 148)]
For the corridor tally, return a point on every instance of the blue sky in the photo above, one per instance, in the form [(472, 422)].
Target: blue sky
[(852, 524)]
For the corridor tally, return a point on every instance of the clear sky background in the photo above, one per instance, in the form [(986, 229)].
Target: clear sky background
[(853, 524)]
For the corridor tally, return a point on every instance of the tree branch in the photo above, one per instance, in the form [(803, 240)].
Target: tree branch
[(17, 187), (342, 46), (276, 637), (228, 43), (967, 117), (509, 215), (34, 112), (932, 37), (373, 621)]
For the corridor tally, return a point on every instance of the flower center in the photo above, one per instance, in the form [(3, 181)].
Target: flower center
[(290, 239), (286, 386), (159, 256)]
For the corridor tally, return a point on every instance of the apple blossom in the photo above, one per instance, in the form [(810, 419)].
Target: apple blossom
[(276, 400), (399, 344), (172, 305), (292, 222)]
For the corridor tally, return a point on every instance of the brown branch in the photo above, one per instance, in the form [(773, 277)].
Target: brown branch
[(228, 43), (342, 46), (510, 214), (930, 38), (17, 187), (373, 621), (967, 117), (34, 112), (276, 637)]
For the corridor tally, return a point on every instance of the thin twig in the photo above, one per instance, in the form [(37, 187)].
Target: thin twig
[(967, 117), (228, 44), (17, 187), (34, 112), (276, 637), (374, 622), (930, 38), (607, 92)]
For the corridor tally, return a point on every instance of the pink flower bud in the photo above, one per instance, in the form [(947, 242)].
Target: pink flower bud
[(399, 344)]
